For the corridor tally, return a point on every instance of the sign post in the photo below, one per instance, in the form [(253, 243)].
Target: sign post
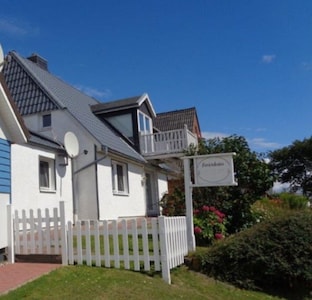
[(209, 170), (189, 205)]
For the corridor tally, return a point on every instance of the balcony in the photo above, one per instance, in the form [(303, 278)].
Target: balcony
[(166, 144)]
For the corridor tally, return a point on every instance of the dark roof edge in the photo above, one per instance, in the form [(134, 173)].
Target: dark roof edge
[(119, 154), (98, 108), (53, 143)]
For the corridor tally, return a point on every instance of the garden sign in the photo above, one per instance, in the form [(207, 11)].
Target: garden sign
[(209, 170)]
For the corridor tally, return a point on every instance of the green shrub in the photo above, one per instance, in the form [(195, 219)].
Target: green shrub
[(274, 254), (173, 204)]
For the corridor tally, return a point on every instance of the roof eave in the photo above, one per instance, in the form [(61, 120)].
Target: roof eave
[(119, 154), (145, 97)]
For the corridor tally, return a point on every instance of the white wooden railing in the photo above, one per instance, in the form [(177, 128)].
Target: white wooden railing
[(167, 142)]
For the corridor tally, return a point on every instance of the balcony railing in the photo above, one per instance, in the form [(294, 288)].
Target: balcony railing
[(167, 142)]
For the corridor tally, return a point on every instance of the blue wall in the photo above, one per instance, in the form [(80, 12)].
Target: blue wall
[(5, 167)]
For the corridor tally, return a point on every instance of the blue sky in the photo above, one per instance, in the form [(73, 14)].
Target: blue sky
[(246, 65)]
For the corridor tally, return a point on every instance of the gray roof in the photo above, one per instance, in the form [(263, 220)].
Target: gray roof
[(36, 90), (176, 119), (123, 104)]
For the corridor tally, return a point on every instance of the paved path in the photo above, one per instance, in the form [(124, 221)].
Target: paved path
[(15, 275)]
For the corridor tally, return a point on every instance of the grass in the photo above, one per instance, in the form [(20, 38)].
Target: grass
[(83, 282)]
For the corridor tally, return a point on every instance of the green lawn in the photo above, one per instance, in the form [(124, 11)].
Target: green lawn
[(82, 282)]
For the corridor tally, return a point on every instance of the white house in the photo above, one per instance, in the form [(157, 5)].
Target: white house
[(117, 170)]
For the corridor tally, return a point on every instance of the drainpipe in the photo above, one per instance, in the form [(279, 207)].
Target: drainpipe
[(75, 213), (93, 162), (96, 184)]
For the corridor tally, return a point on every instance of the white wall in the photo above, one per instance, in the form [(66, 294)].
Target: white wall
[(115, 206), (4, 201), (2, 130), (25, 181), (85, 181), (86, 194), (162, 185)]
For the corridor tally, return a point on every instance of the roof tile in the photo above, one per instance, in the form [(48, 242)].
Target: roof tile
[(176, 119)]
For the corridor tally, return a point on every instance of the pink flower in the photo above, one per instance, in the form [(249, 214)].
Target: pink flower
[(205, 208), (197, 230), (196, 211), (219, 236), (219, 214), (212, 208)]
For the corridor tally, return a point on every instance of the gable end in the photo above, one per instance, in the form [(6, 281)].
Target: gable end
[(27, 95)]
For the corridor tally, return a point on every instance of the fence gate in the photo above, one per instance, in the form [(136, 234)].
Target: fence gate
[(40, 236)]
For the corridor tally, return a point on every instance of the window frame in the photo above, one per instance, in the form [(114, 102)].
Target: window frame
[(145, 119), (116, 183), (49, 172), (43, 116)]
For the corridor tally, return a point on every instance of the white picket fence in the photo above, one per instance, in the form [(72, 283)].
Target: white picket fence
[(158, 243)]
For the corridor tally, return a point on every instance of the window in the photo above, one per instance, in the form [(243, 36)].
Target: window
[(145, 123), (46, 121), (46, 174), (120, 178)]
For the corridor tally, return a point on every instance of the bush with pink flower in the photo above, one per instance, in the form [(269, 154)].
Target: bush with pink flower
[(209, 225)]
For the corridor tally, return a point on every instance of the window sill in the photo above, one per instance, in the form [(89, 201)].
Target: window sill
[(116, 193), (49, 191)]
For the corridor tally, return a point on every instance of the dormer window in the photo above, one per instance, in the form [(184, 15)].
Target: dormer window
[(46, 121), (145, 123)]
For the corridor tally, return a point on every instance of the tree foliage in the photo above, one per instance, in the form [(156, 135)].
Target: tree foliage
[(293, 165), (253, 176)]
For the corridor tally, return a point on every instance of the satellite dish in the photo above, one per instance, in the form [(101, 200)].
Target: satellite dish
[(1, 58), (71, 144)]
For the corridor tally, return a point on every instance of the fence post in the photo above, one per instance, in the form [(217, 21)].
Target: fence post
[(165, 270), (63, 234), (11, 258)]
